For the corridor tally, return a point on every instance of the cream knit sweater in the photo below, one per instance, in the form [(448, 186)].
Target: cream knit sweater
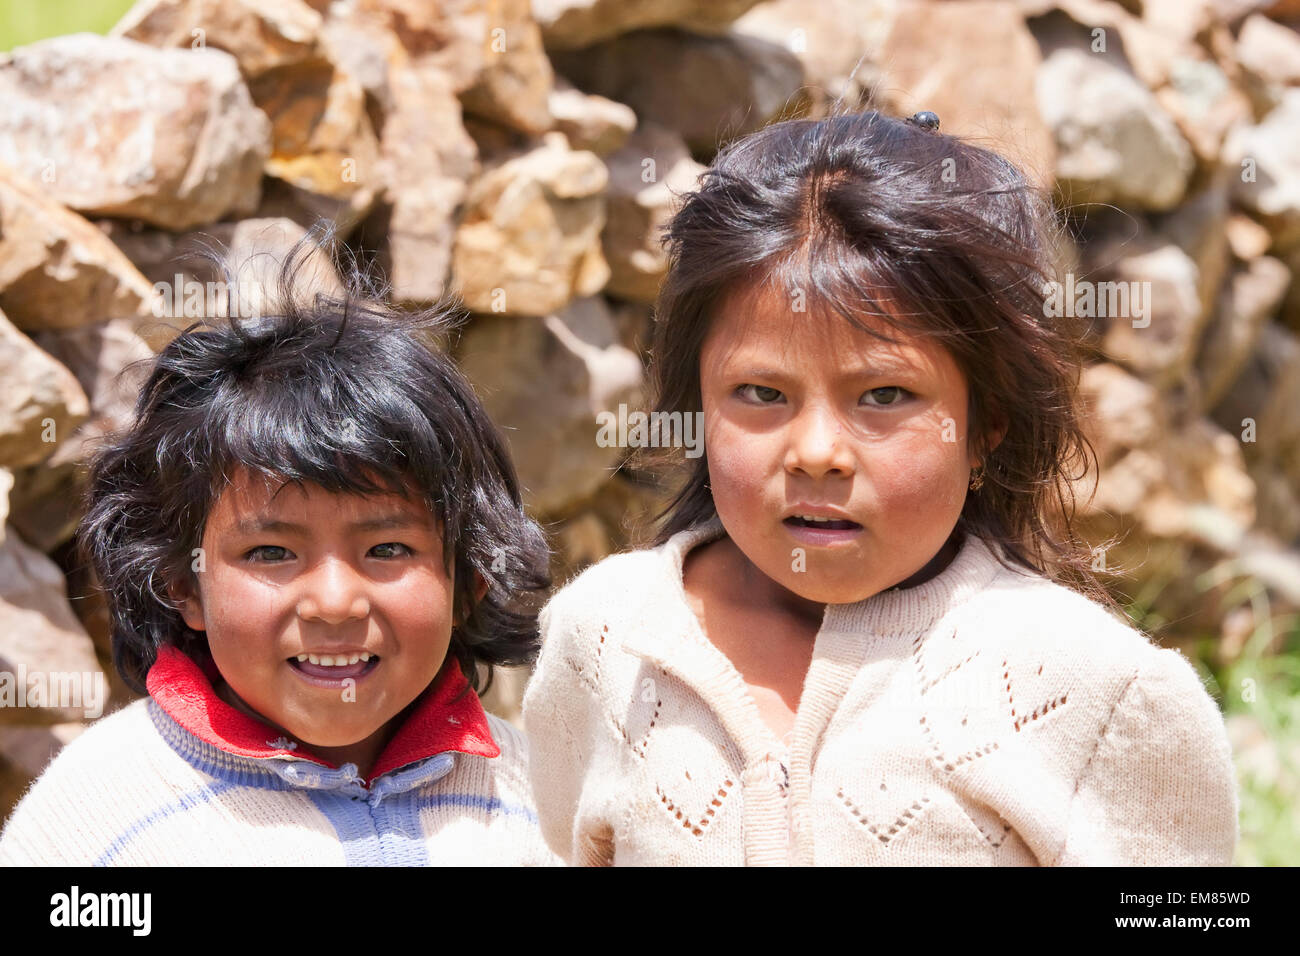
[(985, 717)]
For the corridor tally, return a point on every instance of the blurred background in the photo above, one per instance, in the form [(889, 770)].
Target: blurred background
[(524, 156)]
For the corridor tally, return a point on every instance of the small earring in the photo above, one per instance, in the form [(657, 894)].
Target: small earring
[(977, 479)]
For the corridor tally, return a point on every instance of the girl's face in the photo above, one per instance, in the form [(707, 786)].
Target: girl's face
[(806, 415), (308, 572)]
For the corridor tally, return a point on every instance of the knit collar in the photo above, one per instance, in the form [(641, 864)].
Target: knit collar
[(447, 717), (908, 611)]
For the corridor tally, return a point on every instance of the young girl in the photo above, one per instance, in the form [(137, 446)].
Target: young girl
[(309, 539), (842, 647)]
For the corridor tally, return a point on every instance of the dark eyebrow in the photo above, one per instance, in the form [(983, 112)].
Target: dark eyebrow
[(862, 371), (377, 523)]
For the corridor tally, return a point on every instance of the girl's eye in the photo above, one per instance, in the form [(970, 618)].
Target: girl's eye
[(251, 556), (890, 391), (760, 394), (393, 544)]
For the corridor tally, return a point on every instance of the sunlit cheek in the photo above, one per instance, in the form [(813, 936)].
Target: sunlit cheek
[(740, 463)]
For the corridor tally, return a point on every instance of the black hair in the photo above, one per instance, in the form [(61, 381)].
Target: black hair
[(333, 389), (928, 234)]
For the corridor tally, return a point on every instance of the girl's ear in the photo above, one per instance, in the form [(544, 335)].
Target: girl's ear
[(191, 606), (480, 586)]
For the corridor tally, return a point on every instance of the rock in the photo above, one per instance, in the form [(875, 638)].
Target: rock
[(1114, 142), (838, 42), (489, 50), (427, 160), (529, 239), (1266, 159), (1198, 226), (590, 122), (568, 24), (974, 65), (48, 669), (1123, 412), (261, 34), (322, 141), (552, 430), (24, 754), (1204, 104), (1269, 54), (1146, 303), (515, 85), (1260, 407), (1249, 300), (116, 128), (190, 285), (110, 361), (56, 269), (646, 178), (1247, 238), (709, 89), (41, 403)]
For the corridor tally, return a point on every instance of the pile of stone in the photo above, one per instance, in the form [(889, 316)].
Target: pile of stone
[(524, 158)]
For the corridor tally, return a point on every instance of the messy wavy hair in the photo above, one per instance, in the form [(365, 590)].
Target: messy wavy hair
[(333, 389), (925, 234)]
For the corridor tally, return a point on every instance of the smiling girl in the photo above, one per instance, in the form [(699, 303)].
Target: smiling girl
[(310, 539), (865, 633)]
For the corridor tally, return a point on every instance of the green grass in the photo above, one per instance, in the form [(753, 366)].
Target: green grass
[(1260, 690), (26, 21)]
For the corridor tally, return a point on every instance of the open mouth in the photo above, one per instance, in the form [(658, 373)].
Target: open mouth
[(336, 668), (821, 524)]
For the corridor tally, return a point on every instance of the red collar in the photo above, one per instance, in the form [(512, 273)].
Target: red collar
[(443, 719)]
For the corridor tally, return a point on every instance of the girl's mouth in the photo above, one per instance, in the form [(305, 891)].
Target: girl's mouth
[(319, 672), (821, 532)]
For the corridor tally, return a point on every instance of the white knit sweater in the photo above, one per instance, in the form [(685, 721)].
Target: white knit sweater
[(984, 717), (139, 789)]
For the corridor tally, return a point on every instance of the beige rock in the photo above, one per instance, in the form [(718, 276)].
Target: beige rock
[(1247, 238), (56, 269), (1123, 412), (1249, 300), (48, 669), (837, 41), (1113, 140), (24, 754), (567, 24), (427, 160), (515, 85), (552, 431), (225, 268), (1204, 104), (646, 178), (1198, 226), (709, 89), (974, 65), (261, 34), (1266, 159), (321, 137), (41, 403), (489, 50), (1146, 301), (590, 122), (1260, 407), (1269, 54), (113, 127), (529, 240)]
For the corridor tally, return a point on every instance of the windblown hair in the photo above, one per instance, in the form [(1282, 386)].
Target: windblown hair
[(332, 389), (875, 218)]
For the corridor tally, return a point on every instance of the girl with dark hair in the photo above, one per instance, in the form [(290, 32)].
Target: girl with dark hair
[(866, 632), (310, 539)]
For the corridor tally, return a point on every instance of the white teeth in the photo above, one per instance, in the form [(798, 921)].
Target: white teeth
[(335, 660), (815, 518)]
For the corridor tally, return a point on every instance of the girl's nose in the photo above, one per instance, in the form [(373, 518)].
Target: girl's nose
[(817, 444), (333, 592)]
